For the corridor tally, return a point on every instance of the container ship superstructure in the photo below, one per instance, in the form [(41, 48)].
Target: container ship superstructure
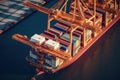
[(73, 32)]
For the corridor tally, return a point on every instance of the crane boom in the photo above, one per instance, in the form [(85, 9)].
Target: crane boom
[(37, 7), (26, 41)]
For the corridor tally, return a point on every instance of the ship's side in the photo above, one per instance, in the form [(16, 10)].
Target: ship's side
[(82, 51), (72, 33)]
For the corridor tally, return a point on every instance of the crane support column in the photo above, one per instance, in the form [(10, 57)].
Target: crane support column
[(70, 52), (84, 37)]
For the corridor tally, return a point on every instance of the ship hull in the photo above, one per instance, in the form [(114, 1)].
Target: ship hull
[(83, 50), (80, 52)]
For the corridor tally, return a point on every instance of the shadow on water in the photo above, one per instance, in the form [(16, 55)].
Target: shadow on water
[(100, 62)]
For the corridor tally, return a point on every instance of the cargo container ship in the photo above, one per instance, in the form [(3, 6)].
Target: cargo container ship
[(74, 32), (13, 11)]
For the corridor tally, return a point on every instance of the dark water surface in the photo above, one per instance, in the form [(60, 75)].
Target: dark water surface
[(100, 62)]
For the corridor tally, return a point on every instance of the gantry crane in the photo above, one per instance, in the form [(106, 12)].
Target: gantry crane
[(76, 21), (75, 17), (109, 6)]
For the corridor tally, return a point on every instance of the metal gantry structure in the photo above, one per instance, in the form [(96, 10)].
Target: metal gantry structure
[(75, 17)]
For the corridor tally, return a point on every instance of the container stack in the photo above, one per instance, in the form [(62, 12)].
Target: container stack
[(64, 45), (45, 59), (52, 61), (54, 31), (13, 11), (33, 56), (56, 38), (75, 42)]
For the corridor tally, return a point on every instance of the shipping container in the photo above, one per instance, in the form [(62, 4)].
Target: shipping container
[(62, 26), (14, 18), (6, 20), (66, 36), (47, 36), (63, 42), (76, 34), (59, 28), (33, 55), (8, 25), (75, 42), (2, 25), (3, 7), (52, 44), (56, 31), (52, 61), (64, 48), (66, 23), (50, 34), (20, 12), (2, 15), (11, 10), (37, 38)]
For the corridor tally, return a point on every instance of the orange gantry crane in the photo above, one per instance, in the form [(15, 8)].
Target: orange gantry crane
[(76, 18)]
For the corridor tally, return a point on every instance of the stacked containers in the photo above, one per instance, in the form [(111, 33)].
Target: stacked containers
[(52, 61), (12, 12), (33, 56), (64, 40), (75, 42), (37, 38), (60, 27), (64, 45), (49, 35), (54, 31), (53, 35)]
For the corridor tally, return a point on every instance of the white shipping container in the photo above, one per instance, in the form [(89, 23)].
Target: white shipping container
[(37, 38), (52, 44), (20, 12), (16, 15), (11, 10), (9, 20)]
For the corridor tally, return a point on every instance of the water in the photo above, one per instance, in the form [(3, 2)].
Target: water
[(100, 62)]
